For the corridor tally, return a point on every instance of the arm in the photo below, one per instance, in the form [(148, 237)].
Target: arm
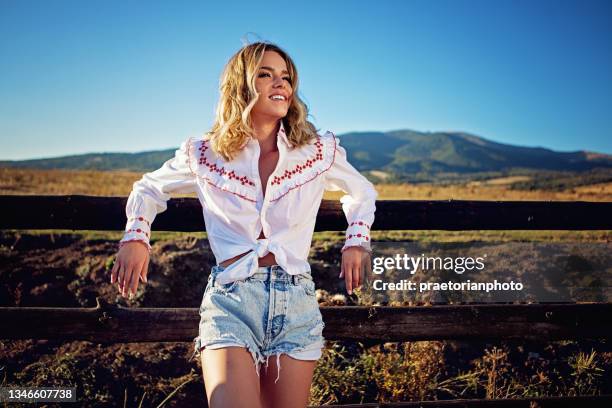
[(150, 194), (358, 205)]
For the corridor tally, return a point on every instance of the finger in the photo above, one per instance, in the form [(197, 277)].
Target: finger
[(349, 279), (360, 272), (138, 276), (127, 279), (134, 280), (114, 271), (144, 271), (357, 275), (122, 274), (121, 278), (127, 275)]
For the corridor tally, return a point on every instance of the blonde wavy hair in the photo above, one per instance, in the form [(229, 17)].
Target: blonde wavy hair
[(232, 127)]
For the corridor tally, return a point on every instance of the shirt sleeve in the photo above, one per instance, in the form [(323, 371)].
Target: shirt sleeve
[(150, 194), (359, 203)]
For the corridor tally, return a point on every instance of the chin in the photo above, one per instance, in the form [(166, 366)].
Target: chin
[(273, 112), (277, 114)]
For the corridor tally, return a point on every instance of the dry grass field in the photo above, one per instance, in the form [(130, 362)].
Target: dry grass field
[(58, 182)]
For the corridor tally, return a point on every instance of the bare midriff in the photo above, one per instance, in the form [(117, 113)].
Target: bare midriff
[(266, 260)]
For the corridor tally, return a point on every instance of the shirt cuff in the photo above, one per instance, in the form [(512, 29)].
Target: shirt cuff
[(137, 229), (358, 234)]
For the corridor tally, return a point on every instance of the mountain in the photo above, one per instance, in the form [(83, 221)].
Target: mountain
[(401, 155), (141, 161), (405, 151), (406, 155)]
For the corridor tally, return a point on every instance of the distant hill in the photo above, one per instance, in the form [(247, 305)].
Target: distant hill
[(445, 157), (142, 161), (406, 151), (401, 155)]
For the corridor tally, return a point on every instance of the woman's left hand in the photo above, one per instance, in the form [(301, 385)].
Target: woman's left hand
[(354, 259)]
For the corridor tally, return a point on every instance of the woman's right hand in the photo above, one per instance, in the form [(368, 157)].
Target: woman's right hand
[(131, 264)]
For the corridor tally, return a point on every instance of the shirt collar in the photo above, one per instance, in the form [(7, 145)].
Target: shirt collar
[(283, 135)]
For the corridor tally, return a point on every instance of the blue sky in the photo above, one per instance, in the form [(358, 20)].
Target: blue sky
[(111, 76)]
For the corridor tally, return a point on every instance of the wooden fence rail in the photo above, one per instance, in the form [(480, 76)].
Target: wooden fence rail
[(79, 212), (110, 323)]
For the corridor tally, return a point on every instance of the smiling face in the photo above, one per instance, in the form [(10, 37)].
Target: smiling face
[(273, 84)]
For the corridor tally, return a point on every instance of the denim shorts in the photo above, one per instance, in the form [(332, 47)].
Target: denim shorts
[(270, 312)]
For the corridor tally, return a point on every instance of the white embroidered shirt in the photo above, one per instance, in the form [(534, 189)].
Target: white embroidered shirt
[(236, 211)]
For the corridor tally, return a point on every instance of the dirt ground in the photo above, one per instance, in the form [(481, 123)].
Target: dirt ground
[(69, 270)]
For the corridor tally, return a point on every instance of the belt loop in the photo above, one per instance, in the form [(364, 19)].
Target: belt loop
[(212, 277), (270, 273)]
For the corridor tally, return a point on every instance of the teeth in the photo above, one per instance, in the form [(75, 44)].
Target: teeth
[(280, 97)]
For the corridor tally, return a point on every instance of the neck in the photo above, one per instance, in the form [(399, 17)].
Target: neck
[(265, 132)]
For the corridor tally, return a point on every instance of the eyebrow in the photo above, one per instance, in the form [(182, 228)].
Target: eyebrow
[(272, 69)]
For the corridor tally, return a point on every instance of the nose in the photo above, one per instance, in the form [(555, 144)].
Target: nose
[(279, 81)]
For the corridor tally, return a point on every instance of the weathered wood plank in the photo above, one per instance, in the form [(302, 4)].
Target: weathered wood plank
[(111, 324), (80, 212)]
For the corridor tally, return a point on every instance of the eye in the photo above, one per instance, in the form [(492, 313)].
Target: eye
[(264, 74)]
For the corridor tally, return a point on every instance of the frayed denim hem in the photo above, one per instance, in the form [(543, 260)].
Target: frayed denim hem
[(199, 345)]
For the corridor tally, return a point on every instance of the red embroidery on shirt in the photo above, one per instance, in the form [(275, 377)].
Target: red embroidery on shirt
[(359, 223), (298, 168), (138, 230), (140, 218), (359, 234), (221, 170), (315, 176)]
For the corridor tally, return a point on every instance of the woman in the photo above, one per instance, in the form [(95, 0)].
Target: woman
[(260, 174)]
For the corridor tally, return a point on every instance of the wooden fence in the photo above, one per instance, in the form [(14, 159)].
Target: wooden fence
[(365, 324)]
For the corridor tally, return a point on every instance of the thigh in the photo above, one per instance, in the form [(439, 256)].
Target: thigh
[(292, 390), (229, 377)]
